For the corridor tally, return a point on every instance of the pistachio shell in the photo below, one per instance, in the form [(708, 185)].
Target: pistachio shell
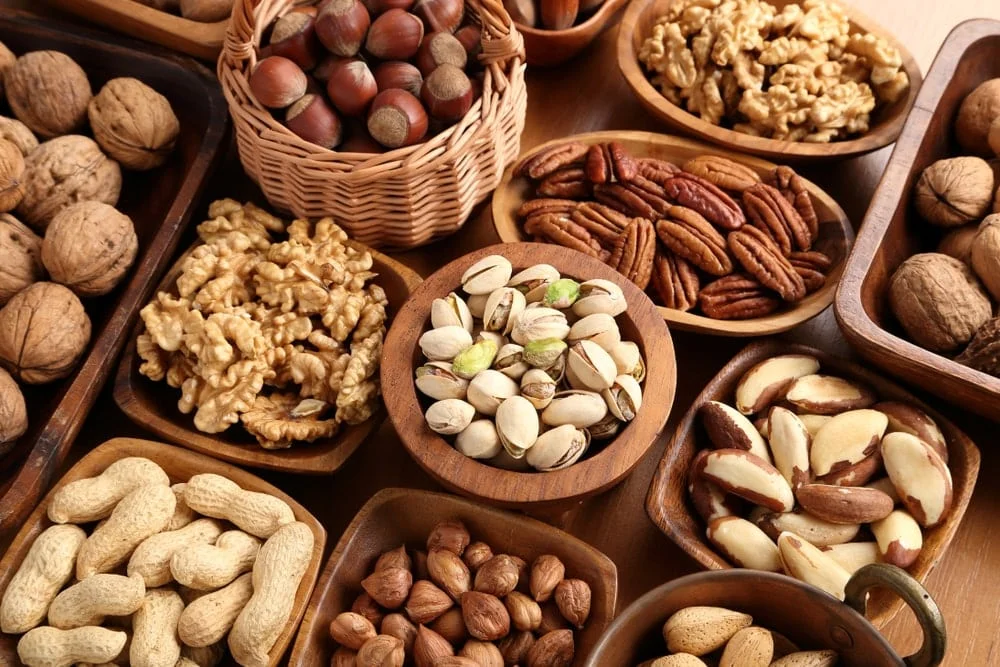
[(557, 371), (444, 343), (437, 380), (508, 462), (600, 296), (605, 429), (562, 293), (510, 361), (473, 359), (558, 448), (538, 388), (451, 311), (449, 416), (486, 275), (579, 408), (538, 323), (517, 425), (628, 359), (543, 353), (624, 397), (502, 309), (489, 389), (573, 381), (492, 336), (534, 280), (599, 328), (477, 304), (592, 365), (479, 440)]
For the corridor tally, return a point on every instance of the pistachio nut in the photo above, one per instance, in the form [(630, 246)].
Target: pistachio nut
[(479, 440), (624, 397), (579, 408), (502, 308), (489, 389), (557, 371), (477, 304), (605, 429), (517, 425), (544, 352), (558, 448), (600, 296), (572, 381), (497, 339), (437, 380), (451, 311), (508, 462), (629, 360), (537, 323), (534, 280), (538, 388), (473, 359), (486, 275), (510, 361), (449, 416), (600, 328), (591, 365), (563, 293), (442, 344)]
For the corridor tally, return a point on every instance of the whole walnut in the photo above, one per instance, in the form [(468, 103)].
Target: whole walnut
[(17, 133), (7, 60), (13, 412), (20, 257), (938, 301), (48, 92), (206, 11), (954, 191), (993, 137), (43, 333), (133, 123), (985, 254), (975, 115), (958, 242), (64, 171), (88, 247), (11, 176)]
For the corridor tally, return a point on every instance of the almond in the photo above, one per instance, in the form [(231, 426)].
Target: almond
[(790, 442), (429, 646), (767, 381), (546, 573), (921, 478), (426, 602), (853, 555), (449, 572), (750, 647), (828, 395), (804, 561), (675, 660), (728, 429), (899, 538), (747, 476), (710, 502), (812, 529), (844, 504), (498, 576), (907, 418), (808, 659), (352, 630), (485, 616), (701, 630), (846, 439), (744, 544)]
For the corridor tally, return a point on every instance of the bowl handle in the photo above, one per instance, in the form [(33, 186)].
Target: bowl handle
[(916, 597)]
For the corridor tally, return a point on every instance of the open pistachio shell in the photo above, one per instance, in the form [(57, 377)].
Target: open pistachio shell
[(557, 371), (599, 328), (451, 311), (558, 448), (605, 429), (477, 304), (508, 462), (538, 323), (628, 359), (489, 389), (591, 365), (449, 416), (502, 309), (510, 361), (479, 440), (600, 296), (492, 336), (624, 397), (486, 275), (534, 280), (579, 408), (517, 425), (442, 344), (538, 388), (437, 380), (475, 358)]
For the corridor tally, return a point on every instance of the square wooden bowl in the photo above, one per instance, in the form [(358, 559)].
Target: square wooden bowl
[(892, 231), (180, 465), (670, 509), (406, 516)]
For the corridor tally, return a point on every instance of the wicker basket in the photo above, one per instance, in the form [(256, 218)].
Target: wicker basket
[(400, 199)]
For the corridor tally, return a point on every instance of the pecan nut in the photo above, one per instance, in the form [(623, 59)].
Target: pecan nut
[(633, 253), (675, 281), (759, 255), (708, 200), (723, 172), (691, 236), (655, 169), (771, 213), (559, 229), (737, 297), (793, 188), (566, 183), (552, 159), (546, 205), (606, 163), (603, 222), (651, 193), (813, 267), (620, 198)]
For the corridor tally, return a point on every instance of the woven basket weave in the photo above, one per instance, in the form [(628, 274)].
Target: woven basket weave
[(400, 199)]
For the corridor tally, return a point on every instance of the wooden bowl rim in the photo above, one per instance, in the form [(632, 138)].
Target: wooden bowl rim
[(587, 477), (697, 547), (879, 135), (509, 230), (593, 24)]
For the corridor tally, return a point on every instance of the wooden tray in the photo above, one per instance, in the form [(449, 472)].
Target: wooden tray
[(160, 203), (836, 233), (892, 231), (637, 24), (154, 404), (195, 38), (547, 48), (668, 506), (406, 516), (180, 465)]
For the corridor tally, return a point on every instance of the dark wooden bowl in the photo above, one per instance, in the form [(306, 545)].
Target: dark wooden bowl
[(406, 516), (154, 404), (546, 48), (523, 490), (637, 24), (160, 203), (892, 231), (180, 465), (836, 232), (667, 502)]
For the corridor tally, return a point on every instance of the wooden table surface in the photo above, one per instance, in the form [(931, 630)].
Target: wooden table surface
[(589, 94)]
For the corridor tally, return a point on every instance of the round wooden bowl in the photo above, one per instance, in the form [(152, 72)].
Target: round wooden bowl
[(527, 490), (887, 122), (835, 237), (546, 48)]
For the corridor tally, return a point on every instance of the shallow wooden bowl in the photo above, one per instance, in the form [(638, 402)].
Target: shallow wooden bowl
[(523, 490), (406, 516), (836, 233), (154, 404), (180, 465), (637, 24), (893, 231), (667, 502), (545, 48)]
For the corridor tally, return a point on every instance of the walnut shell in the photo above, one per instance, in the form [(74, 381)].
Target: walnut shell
[(984, 254), (20, 257), (133, 123), (954, 191), (993, 136), (43, 333), (88, 247), (938, 301), (7, 60), (48, 92), (13, 412), (64, 171), (19, 134), (958, 242), (206, 11), (11, 176), (975, 115)]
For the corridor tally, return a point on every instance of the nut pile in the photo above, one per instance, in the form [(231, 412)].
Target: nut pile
[(282, 336), (74, 243), (170, 576), (394, 71), (551, 14), (823, 461), (729, 638), (204, 11), (945, 300), (544, 394), (797, 74), (459, 604), (711, 234)]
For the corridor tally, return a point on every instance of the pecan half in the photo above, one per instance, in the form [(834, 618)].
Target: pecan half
[(760, 256), (723, 172), (655, 169), (620, 198), (546, 205), (675, 281), (609, 162), (542, 164), (633, 253), (771, 213), (603, 222), (737, 297), (812, 266), (559, 229), (566, 183), (793, 189), (651, 193), (708, 200), (983, 351), (692, 237)]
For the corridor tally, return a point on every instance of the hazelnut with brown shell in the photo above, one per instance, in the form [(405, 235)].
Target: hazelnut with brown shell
[(48, 92), (133, 123)]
